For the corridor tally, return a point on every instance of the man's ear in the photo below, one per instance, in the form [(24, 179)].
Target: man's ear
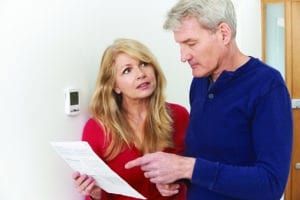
[(226, 32)]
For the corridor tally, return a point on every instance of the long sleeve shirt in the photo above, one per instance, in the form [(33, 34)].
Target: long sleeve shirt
[(94, 134), (240, 133)]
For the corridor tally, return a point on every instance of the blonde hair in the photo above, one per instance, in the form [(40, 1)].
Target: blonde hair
[(106, 105)]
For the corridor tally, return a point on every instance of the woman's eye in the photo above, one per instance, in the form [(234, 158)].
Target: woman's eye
[(126, 70), (144, 64)]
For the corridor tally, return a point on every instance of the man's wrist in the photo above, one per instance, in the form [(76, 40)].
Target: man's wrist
[(188, 167)]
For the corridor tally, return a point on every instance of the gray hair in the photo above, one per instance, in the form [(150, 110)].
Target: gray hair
[(210, 13)]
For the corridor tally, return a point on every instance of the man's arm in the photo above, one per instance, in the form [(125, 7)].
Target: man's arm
[(164, 168)]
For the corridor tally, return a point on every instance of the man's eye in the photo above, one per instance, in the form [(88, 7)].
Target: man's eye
[(191, 44)]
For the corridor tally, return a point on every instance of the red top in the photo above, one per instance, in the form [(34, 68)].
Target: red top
[(94, 135)]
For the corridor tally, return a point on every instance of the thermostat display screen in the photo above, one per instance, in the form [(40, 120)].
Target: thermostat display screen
[(74, 99), (72, 106)]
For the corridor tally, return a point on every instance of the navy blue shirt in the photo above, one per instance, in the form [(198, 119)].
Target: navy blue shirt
[(240, 133)]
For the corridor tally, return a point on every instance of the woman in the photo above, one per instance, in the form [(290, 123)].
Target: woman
[(131, 118)]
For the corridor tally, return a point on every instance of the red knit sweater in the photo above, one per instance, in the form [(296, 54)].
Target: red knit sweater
[(94, 135)]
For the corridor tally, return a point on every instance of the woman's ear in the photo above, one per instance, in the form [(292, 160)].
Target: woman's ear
[(117, 90), (226, 32)]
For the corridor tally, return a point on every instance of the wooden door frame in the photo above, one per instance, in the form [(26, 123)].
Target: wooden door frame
[(288, 57), (288, 43)]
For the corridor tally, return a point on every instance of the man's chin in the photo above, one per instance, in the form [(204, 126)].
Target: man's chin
[(198, 74)]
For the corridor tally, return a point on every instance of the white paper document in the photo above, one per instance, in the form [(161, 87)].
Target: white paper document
[(80, 157)]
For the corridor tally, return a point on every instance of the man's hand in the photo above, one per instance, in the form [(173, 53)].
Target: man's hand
[(164, 168)]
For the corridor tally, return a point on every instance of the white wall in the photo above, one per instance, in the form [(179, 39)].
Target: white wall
[(48, 45)]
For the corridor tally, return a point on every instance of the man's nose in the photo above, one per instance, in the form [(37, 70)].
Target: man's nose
[(185, 55)]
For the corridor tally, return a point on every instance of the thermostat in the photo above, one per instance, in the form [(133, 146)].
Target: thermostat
[(72, 101)]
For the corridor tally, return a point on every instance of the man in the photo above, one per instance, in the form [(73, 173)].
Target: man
[(239, 139)]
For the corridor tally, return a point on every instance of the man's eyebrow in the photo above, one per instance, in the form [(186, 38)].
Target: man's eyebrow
[(188, 40)]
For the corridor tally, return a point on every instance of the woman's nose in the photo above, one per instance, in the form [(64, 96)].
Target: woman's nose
[(140, 73)]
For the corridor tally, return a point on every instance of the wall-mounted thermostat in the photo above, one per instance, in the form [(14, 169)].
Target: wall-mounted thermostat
[(72, 101)]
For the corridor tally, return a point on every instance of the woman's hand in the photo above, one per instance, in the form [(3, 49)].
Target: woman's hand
[(86, 185), (168, 189)]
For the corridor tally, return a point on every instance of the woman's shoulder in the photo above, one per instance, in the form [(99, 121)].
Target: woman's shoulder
[(178, 112), (180, 116), (93, 128), (177, 108), (94, 134), (93, 124)]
